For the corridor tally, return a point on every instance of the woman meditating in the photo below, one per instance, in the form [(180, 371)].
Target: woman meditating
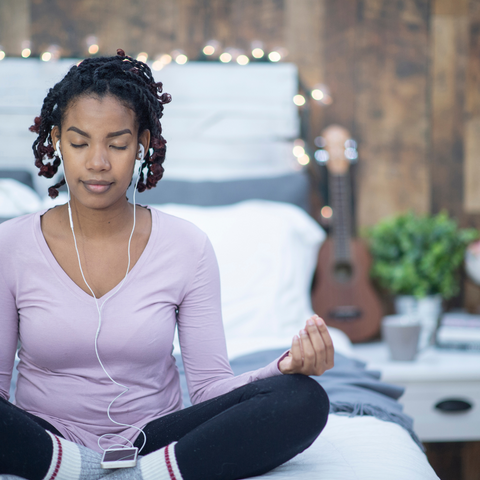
[(94, 290)]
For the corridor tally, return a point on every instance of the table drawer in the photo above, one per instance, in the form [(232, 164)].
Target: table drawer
[(434, 425)]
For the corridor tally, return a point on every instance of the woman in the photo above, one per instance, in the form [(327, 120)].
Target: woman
[(94, 291)]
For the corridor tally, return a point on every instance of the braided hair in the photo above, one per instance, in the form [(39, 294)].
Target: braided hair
[(127, 79)]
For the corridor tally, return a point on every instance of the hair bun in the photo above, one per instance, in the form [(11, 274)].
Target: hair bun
[(120, 52)]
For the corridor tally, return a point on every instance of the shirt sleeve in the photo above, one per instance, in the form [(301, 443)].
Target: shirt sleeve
[(202, 338), (8, 331)]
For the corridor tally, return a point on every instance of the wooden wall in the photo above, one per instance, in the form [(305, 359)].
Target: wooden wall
[(404, 76)]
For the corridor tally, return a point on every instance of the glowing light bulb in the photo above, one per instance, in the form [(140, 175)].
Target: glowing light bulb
[(274, 56), (46, 56), (26, 52), (225, 57), (181, 59), (2, 54), (326, 212), (208, 49), (166, 58), (93, 49), (258, 53), (157, 65), (142, 57), (298, 151), (317, 94), (303, 160), (299, 100), (242, 60)]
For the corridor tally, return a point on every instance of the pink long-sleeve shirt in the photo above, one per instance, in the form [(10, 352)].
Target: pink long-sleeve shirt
[(60, 378)]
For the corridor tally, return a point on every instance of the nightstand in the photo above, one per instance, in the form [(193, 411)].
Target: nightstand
[(442, 389)]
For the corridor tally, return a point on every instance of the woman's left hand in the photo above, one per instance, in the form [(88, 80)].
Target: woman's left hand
[(311, 352)]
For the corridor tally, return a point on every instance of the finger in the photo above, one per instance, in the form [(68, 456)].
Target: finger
[(327, 340), (296, 354), (308, 353), (317, 341)]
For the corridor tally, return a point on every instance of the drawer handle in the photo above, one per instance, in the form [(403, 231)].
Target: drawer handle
[(453, 405)]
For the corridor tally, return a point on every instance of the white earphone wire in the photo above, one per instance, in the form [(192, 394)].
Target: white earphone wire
[(100, 307)]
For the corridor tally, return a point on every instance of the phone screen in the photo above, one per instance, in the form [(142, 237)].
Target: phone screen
[(120, 455)]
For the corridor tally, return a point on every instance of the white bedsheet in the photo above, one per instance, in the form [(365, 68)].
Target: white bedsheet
[(358, 448)]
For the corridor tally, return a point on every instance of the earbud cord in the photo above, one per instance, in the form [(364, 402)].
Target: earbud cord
[(99, 309)]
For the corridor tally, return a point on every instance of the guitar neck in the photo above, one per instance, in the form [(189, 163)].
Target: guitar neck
[(342, 219)]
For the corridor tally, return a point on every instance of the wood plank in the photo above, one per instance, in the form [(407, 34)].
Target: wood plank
[(472, 116), (449, 59), (14, 25), (391, 109)]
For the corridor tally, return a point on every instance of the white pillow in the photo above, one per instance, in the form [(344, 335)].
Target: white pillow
[(16, 198), (267, 253)]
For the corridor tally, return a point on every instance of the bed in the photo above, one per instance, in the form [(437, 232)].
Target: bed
[(231, 172)]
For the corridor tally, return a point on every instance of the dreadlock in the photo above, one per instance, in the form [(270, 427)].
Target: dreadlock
[(122, 76)]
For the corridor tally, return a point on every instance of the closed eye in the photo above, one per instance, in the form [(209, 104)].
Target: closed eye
[(78, 146), (119, 148)]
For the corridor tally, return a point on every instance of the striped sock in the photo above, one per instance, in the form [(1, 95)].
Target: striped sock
[(159, 465), (73, 462)]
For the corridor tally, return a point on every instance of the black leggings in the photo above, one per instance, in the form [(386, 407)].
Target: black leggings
[(241, 434)]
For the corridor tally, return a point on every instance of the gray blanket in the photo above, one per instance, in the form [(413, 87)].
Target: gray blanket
[(351, 388)]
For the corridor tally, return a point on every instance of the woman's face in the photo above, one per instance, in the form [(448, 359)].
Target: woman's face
[(99, 144)]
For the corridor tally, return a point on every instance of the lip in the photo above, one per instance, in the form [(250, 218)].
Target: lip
[(97, 186)]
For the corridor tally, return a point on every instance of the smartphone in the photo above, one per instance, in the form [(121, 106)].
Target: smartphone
[(119, 458)]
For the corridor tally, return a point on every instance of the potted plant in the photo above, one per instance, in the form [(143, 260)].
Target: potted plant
[(418, 259)]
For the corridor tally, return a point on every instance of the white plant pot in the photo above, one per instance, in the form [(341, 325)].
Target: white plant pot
[(427, 310)]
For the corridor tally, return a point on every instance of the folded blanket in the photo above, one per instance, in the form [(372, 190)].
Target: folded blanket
[(351, 388)]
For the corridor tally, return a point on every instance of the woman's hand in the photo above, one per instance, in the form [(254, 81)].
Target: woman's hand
[(311, 352)]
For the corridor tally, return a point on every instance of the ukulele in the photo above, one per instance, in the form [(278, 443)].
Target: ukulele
[(342, 294)]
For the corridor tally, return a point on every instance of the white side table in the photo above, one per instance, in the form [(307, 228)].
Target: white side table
[(436, 382)]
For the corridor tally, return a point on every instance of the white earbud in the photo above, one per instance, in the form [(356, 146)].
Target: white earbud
[(59, 153), (142, 151)]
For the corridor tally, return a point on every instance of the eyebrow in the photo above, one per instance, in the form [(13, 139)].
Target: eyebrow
[(110, 135)]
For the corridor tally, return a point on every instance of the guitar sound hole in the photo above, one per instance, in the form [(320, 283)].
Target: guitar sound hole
[(343, 272)]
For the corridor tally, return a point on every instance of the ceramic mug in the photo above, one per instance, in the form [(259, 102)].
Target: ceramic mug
[(401, 333)]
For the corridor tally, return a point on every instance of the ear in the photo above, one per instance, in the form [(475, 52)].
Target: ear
[(55, 134), (144, 139)]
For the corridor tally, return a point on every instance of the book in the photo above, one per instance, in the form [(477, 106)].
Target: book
[(459, 330)]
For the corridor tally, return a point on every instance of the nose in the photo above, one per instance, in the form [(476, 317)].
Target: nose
[(98, 159)]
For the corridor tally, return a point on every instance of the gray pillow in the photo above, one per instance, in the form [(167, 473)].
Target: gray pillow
[(292, 188)]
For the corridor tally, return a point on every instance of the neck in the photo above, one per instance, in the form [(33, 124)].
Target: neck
[(96, 224)]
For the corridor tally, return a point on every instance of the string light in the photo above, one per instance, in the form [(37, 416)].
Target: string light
[(92, 44), (211, 47), (321, 93), (142, 57), (2, 53), (298, 151), (26, 52), (225, 57), (304, 160), (258, 53), (326, 212), (46, 56), (299, 100), (274, 56), (243, 60), (181, 59)]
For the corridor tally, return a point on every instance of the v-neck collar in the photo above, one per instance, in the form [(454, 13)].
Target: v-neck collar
[(65, 278)]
